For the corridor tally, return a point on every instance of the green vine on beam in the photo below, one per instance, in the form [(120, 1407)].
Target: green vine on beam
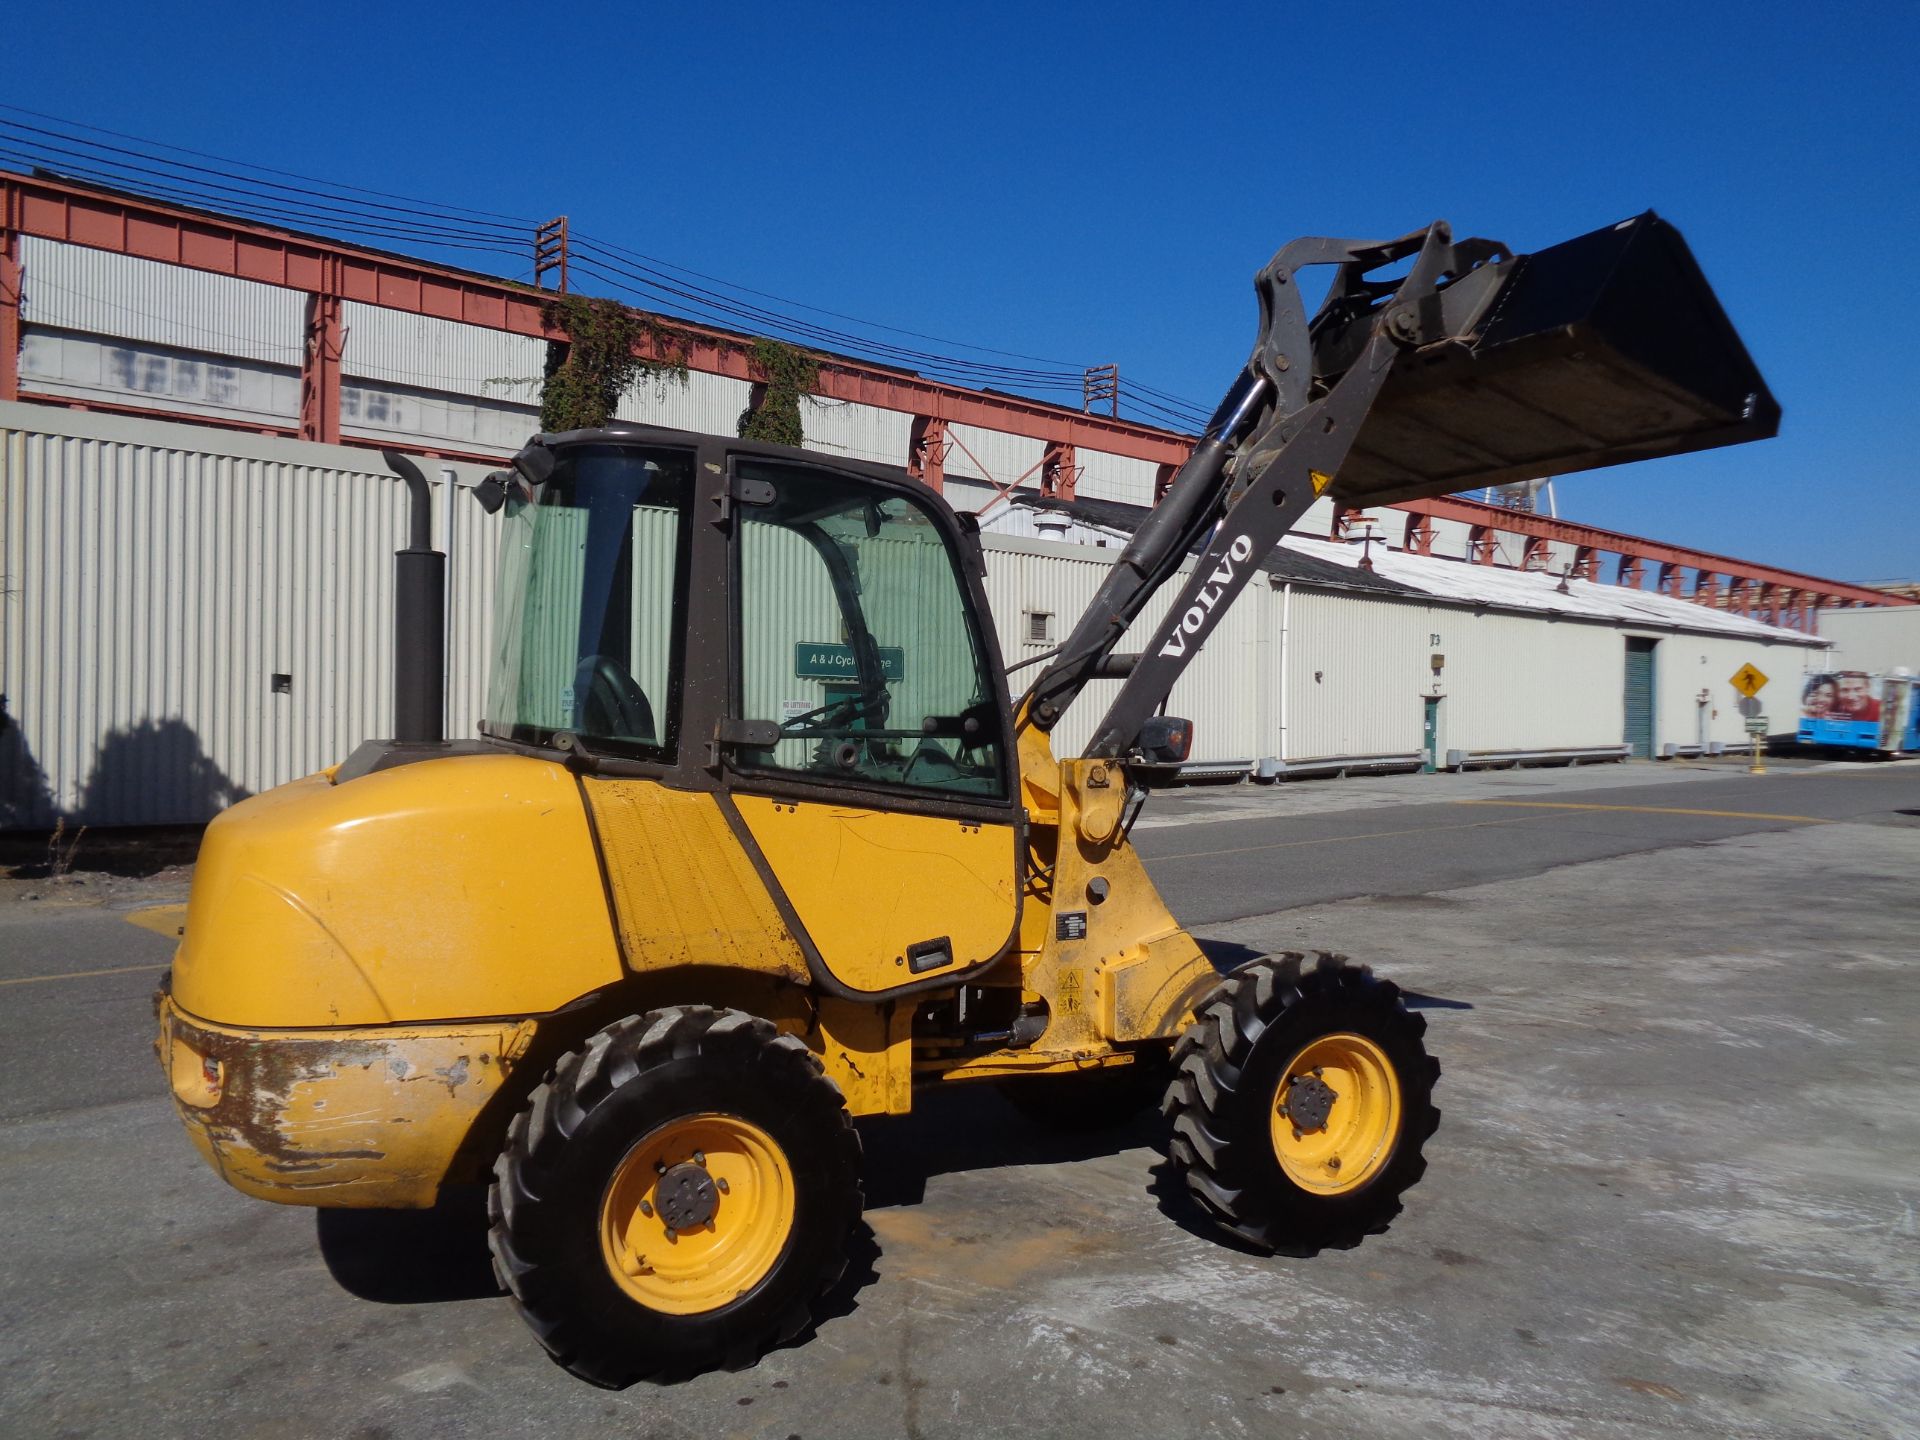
[(600, 360), (774, 415)]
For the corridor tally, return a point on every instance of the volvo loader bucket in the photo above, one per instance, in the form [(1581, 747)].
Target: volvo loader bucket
[(1607, 348)]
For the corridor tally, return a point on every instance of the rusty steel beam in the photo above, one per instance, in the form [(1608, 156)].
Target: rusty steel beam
[(927, 452), (9, 300), (1483, 545), (1059, 472), (1518, 522), (196, 240), (325, 346)]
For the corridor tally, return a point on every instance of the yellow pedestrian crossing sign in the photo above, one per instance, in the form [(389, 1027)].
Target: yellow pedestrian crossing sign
[(1748, 681)]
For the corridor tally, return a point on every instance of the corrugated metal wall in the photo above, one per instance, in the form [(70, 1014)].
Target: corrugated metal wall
[(1222, 692), (428, 353), (1001, 458), (471, 538), (158, 377), (839, 427), (1115, 477), (707, 404), (1520, 682), (1874, 639), (419, 378), (1352, 666), (157, 580), (71, 287), (1686, 665), (159, 576)]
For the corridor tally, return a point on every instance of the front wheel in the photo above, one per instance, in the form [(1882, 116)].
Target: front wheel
[(1300, 1101), (675, 1196)]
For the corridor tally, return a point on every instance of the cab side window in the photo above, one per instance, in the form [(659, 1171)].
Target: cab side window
[(856, 637)]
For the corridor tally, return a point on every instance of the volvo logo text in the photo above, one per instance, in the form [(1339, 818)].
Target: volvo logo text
[(1201, 611)]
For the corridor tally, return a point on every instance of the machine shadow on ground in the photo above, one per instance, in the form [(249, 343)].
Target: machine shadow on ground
[(411, 1257), (440, 1256), (427, 1257)]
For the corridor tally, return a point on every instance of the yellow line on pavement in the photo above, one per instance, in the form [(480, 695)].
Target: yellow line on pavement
[(82, 974), (1652, 810)]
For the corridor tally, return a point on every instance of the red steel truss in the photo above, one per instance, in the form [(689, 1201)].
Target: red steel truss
[(330, 272), (153, 230)]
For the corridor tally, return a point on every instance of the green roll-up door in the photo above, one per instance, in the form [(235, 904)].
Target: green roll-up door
[(1640, 696)]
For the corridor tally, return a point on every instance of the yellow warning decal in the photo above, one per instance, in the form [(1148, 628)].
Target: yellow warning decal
[(1320, 482)]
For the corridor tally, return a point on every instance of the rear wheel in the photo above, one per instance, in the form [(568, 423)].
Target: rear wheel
[(675, 1196), (1300, 1102)]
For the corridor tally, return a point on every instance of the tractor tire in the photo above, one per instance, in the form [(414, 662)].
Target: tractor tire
[(1094, 1101), (675, 1196), (1300, 1101)]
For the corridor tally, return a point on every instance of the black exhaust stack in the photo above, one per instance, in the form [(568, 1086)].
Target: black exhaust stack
[(419, 619)]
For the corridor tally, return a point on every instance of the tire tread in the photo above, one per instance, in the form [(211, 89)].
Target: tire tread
[(521, 1232), (1211, 1151)]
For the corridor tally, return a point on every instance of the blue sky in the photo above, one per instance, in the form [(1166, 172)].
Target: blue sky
[(1099, 183)]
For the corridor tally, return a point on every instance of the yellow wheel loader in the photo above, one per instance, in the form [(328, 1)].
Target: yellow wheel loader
[(757, 837)]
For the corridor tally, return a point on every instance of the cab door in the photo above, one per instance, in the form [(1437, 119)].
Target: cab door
[(876, 783)]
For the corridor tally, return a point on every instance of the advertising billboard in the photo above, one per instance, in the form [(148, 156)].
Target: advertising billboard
[(1859, 711)]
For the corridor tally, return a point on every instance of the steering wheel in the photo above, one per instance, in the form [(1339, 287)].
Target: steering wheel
[(611, 703)]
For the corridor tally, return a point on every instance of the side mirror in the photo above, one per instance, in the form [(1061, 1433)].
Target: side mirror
[(492, 491), (536, 462), (1166, 740)]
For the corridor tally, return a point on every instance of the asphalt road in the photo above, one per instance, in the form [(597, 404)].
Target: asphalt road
[(1502, 825), (1673, 1192)]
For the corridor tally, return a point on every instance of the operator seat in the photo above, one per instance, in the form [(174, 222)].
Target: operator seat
[(608, 701)]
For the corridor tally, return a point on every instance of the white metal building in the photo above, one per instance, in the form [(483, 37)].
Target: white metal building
[(1875, 640), (191, 615)]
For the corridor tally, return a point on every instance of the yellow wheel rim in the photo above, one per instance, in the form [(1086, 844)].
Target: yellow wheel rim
[(1336, 1113), (729, 1187)]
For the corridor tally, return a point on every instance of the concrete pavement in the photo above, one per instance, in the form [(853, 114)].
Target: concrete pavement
[(1672, 1193)]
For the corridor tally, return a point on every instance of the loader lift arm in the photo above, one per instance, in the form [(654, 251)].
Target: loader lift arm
[(1478, 367)]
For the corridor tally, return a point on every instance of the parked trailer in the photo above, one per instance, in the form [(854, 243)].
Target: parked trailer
[(1858, 711)]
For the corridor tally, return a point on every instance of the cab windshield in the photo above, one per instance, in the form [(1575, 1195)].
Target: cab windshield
[(592, 574)]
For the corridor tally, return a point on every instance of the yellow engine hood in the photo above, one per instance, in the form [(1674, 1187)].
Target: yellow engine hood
[(445, 889)]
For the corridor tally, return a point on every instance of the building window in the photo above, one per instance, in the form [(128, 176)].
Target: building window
[(1038, 629)]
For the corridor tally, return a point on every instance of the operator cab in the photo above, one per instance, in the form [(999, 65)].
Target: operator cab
[(830, 619)]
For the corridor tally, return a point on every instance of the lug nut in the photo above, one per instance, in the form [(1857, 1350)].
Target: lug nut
[(673, 1235), (645, 1208), (700, 1158), (720, 1184)]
